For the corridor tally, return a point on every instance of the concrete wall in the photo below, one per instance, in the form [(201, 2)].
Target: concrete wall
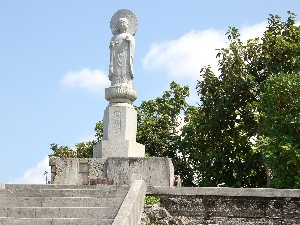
[(230, 205)]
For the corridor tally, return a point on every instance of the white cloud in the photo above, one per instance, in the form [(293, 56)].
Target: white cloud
[(35, 175), (256, 30), (185, 56), (92, 80)]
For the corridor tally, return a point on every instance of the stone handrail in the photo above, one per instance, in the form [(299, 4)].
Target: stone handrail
[(132, 206)]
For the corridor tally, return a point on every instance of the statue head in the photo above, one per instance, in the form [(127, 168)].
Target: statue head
[(129, 19), (122, 25)]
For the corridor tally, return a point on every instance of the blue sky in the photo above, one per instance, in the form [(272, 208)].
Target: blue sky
[(54, 60)]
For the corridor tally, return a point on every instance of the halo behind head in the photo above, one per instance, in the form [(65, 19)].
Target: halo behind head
[(131, 18)]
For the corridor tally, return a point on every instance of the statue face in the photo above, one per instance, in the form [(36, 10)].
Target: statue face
[(123, 25)]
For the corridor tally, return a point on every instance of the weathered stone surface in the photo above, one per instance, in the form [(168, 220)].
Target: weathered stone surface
[(65, 169), (119, 122), (122, 47), (60, 204), (132, 206), (119, 133), (155, 171), (76, 171), (220, 191), (114, 170), (119, 94), (120, 117), (157, 215), (2, 186), (118, 148), (158, 171), (100, 191), (54, 221), (59, 212), (57, 201), (228, 205)]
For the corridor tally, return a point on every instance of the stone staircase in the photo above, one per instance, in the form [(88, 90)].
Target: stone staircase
[(60, 204)]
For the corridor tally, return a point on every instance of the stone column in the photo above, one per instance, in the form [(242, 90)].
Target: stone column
[(119, 133)]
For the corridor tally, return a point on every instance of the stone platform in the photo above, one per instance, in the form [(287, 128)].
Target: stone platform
[(154, 171)]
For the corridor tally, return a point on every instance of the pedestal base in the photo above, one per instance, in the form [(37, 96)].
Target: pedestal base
[(119, 133), (113, 171), (118, 148)]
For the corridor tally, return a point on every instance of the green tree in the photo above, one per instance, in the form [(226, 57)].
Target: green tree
[(279, 138), (230, 112), (158, 125)]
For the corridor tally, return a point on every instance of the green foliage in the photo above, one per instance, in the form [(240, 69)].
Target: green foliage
[(99, 131), (84, 149), (158, 122), (280, 48), (62, 151), (149, 223), (279, 138), (227, 123), (229, 116), (152, 200), (159, 119)]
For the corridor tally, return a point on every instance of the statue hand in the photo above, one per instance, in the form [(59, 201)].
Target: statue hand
[(127, 38), (111, 44), (110, 72), (131, 72)]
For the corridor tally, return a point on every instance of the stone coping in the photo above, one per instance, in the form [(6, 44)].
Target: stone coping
[(223, 191), (132, 206)]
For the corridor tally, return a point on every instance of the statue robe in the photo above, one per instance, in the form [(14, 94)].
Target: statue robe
[(121, 60)]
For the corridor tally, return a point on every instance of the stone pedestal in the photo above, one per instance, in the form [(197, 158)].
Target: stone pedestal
[(119, 133)]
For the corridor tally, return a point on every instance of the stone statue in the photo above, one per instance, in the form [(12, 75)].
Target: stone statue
[(120, 116), (122, 46)]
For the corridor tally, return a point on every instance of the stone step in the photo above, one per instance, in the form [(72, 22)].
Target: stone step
[(59, 212), (58, 186), (109, 192), (60, 202), (54, 221)]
